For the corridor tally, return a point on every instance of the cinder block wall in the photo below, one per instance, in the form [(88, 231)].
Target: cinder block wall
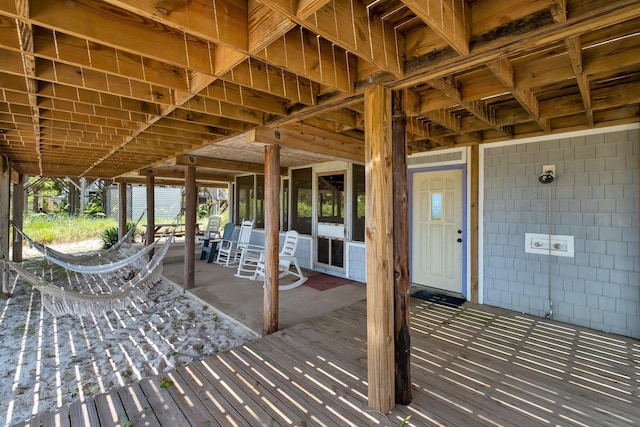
[(595, 198)]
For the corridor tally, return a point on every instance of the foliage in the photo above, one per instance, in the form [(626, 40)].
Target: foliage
[(61, 228), (203, 211), (94, 208), (110, 235)]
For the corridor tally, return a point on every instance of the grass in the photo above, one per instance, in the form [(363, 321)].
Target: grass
[(61, 228), (51, 229)]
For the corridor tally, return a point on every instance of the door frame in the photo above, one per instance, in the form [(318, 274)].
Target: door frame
[(465, 285), (331, 169)]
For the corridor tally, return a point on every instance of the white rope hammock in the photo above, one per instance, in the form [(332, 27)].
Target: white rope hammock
[(104, 262), (117, 251), (60, 301)]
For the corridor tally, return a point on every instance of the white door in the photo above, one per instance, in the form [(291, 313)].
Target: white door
[(437, 230)]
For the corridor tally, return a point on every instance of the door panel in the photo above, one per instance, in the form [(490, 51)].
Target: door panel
[(436, 228)]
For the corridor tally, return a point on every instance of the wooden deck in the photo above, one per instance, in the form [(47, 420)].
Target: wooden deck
[(470, 366)]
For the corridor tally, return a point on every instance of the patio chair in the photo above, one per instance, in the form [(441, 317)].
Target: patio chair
[(286, 260), (229, 251), (212, 231), (210, 246)]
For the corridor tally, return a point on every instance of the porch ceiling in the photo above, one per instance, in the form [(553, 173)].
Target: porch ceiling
[(123, 88)]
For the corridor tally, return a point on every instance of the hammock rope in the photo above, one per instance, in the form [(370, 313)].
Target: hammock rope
[(60, 301), (103, 262), (119, 250)]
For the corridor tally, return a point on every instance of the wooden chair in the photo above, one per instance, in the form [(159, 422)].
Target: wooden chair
[(210, 246), (286, 260), (229, 251)]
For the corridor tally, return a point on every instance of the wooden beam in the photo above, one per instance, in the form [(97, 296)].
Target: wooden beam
[(379, 248), (122, 209), (474, 237), (574, 49), (402, 304), (191, 201), (179, 174), (17, 211), (151, 211), (503, 70), (450, 19), (214, 163), (314, 144), (271, 241), (124, 30), (350, 25), (5, 184)]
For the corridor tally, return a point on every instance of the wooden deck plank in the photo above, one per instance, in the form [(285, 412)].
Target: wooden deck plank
[(290, 384), (192, 407), (341, 404), (59, 417), (213, 399), (137, 406), (83, 413), (215, 373), (471, 366), (166, 409), (260, 392), (110, 410), (447, 416)]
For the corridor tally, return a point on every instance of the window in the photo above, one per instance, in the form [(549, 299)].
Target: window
[(436, 206), (250, 200), (245, 198), (331, 198), (358, 204), (301, 200), (259, 218)]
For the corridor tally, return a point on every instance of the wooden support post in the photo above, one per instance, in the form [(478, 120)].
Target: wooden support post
[(5, 184), (151, 211), (379, 244), (475, 185), (122, 209), (271, 241), (191, 199), (401, 253), (18, 215)]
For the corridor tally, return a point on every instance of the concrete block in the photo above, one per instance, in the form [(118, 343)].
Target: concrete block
[(625, 263), (611, 234)]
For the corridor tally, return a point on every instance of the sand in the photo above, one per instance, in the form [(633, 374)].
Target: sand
[(49, 362)]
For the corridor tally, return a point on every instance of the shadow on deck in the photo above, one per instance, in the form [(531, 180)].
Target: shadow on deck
[(470, 366)]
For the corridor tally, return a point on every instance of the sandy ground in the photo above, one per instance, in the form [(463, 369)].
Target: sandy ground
[(49, 362)]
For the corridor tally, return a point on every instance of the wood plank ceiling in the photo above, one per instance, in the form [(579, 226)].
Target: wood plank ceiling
[(123, 88)]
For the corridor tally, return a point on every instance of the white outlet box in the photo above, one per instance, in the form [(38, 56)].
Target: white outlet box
[(544, 244), (549, 168)]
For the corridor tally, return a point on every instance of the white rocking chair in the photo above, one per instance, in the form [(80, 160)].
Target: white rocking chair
[(286, 260), (229, 251)]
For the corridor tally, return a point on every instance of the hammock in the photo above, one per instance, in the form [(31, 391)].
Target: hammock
[(116, 251), (59, 301), (96, 263)]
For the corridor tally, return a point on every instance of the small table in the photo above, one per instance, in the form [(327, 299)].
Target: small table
[(211, 250), (158, 227)]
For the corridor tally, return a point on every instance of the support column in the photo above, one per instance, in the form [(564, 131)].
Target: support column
[(379, 244), (474, 237), (5, 183), (151, 211), (191, 198), (83, 194), (122, 209), (18, 215), (271, 242), (402, 304)]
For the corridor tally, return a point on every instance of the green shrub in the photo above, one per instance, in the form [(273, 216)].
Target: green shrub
[(110, 235)]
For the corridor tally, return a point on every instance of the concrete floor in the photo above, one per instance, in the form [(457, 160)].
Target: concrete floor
[(242, 299)]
